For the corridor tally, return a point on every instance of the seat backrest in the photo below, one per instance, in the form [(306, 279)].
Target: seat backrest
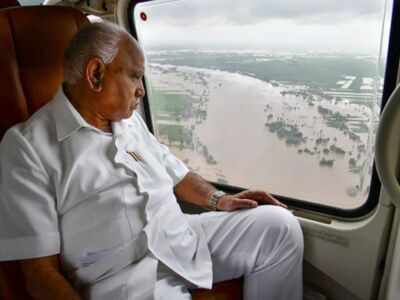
[(32, 43)]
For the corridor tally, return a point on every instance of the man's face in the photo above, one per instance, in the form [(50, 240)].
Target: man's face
[(122, 83)]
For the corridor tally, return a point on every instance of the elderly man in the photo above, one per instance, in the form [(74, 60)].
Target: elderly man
[(88, 198)]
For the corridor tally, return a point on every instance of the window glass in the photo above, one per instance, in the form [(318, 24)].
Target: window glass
[(280, 96), (30, 2)]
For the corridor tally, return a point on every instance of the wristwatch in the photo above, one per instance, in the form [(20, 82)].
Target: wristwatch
[(213, 199)]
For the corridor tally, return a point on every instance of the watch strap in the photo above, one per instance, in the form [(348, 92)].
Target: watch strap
[(213, 199)]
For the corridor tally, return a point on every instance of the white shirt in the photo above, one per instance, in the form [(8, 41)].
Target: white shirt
[(69, 188)]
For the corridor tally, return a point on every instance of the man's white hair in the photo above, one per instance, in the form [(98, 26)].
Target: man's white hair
[(98, 39)]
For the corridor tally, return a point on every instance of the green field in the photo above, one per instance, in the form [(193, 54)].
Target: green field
[(168, 102), (176, 134), (318, 71)]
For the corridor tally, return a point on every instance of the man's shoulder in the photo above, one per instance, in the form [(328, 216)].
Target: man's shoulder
[(35, 130)]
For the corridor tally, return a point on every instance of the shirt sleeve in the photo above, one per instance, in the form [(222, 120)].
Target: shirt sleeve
[(174, 166), (28, 217)]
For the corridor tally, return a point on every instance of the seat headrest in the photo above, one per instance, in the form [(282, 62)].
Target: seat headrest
[(32, 43)]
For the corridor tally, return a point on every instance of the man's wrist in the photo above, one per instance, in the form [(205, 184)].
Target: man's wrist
[(213, 199)]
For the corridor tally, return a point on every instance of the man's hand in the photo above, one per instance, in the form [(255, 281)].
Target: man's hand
[(194, 189), (247, 199)]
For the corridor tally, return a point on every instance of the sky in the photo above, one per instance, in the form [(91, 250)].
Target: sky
[(344, 26)]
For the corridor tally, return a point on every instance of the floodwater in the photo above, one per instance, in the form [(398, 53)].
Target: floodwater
[(249, 155)]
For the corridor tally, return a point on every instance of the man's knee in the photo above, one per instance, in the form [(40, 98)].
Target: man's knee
[(291, 226), (280, 230)]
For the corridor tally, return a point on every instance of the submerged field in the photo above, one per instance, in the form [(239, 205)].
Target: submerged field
[(297, 126)]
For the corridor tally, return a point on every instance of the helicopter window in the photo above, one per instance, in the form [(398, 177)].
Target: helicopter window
[(283, 97)]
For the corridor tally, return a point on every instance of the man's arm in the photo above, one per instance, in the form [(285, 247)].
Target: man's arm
[(44, 281), (194, 189)]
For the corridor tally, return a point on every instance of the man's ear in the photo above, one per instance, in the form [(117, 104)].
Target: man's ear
[(94, 74)]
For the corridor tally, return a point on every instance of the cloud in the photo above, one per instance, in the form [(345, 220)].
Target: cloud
[(288, 26), (239, 12)]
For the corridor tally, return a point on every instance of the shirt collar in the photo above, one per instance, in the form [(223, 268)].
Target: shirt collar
[(67, 118), (120, 128)]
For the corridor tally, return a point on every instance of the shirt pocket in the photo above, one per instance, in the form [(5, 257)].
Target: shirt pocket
[(91, 241), (109, 262)]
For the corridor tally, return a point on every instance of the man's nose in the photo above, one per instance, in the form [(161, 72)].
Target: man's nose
[(140, 91)]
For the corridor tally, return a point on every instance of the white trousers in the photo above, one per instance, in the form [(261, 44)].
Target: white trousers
[(263, 244)]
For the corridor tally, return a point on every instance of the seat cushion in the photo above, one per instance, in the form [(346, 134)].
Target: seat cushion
[(225, 290)]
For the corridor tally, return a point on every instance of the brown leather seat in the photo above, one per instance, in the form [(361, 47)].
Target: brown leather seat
[(226, 290), (32, 43)]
